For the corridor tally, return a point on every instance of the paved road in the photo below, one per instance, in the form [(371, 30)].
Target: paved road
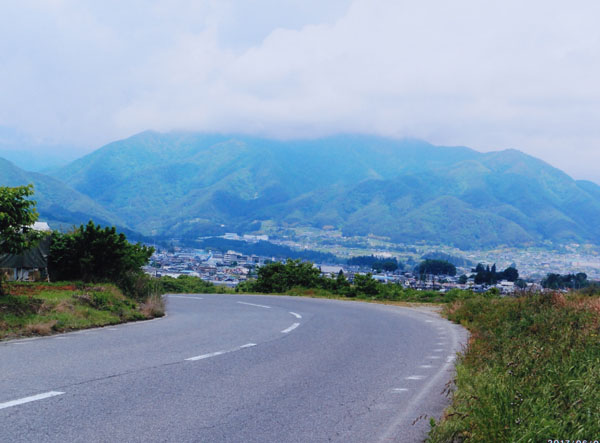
[(225, 368)]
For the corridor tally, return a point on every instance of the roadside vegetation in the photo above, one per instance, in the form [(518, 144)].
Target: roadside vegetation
[(99, 273), (301, 278), (48, 308), (531, 371)]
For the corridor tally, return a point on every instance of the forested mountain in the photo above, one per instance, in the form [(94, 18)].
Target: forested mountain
[(189, 184), (57, 203)]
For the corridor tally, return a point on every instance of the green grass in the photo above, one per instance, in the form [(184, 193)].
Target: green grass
[(531, 371), (47, 308)]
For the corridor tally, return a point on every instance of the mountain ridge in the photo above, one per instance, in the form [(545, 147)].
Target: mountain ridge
[(185, 184)]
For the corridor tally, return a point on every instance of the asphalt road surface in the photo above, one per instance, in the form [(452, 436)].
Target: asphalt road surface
[(234, 368)]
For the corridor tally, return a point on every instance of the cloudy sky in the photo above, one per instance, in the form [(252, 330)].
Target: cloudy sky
[(489, 75)]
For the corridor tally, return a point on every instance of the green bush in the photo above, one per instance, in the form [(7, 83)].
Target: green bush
[(94, 254), (186, 284)]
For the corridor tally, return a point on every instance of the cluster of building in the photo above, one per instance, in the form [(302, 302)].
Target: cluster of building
[(228, 268), (232, 267)]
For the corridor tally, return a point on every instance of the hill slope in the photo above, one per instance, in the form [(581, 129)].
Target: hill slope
[(198, 184), (56, 202)]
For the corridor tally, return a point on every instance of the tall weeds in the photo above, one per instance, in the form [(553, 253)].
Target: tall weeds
[(531, 371)]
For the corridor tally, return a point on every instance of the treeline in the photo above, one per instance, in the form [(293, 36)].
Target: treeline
[(568, 281), (266, 249), (375, 263), (302, 278), (490, 276), (436, 267)]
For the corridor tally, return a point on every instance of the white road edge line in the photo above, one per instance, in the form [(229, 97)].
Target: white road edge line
[(291, 328), (295, 315), (214, 354), (415, 377), (21, 401), (399, 389), (254, 304), (186, 296)]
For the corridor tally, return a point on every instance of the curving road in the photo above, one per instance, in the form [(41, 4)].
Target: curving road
[(225, 368)]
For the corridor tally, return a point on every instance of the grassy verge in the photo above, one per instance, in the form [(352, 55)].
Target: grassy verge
[(531, 371), (47, 308)]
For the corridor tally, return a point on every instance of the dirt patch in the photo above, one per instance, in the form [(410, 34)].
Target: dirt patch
[(44, 328)]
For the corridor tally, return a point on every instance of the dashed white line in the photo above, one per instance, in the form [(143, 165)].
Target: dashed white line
[(428, 321), (438, 350), (254, 304), (203, 356), (399, 389), (415, 377), (296, 315), (21, 401), (291, 328), (214, 354), (426, 366)]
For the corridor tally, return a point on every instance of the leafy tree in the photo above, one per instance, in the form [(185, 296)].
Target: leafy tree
[(375, 263), (280, 277), (490, 276), (17, 216), (569, 281), (93, 254), (436, 267), (462, 279), (511, 274), (366, 284), (341, 282)]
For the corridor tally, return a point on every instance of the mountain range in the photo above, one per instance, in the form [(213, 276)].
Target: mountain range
[(190, 185)]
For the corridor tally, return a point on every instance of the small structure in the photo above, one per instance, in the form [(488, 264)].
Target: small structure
[(30, 265)]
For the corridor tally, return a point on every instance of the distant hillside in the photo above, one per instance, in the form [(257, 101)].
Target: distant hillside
[(56, 202), (189, 185)]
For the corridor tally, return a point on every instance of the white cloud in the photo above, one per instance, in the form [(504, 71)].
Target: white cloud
[(486, 75)]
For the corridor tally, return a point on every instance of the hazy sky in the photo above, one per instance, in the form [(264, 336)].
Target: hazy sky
[(489, 75)]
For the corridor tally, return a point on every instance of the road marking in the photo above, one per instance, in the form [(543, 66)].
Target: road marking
[(440, 343), (415, 377), (426, 366), (23, 341), (254, 304), (59, 338), (21, 401), (434, 356), (399, 389), (411, 408), (438, 350), (428, 321), (450, 358), (214, 354), (296, 315), (291, 328), (202, 357), (186, 296)]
